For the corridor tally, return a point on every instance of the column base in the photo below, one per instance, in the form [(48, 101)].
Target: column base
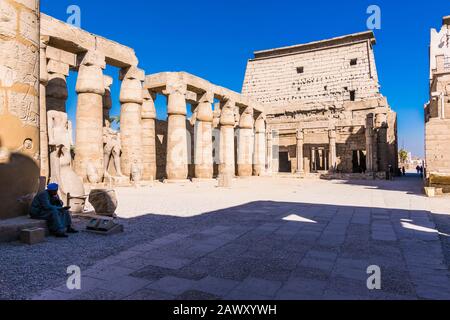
[(245, 170), (204, 180), (176, 181)]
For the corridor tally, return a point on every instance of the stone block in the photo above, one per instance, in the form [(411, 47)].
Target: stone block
[(32, 235), (103, 201), (225, 181)]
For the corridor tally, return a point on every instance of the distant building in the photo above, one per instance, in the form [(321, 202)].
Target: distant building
[(325, 112), (437, 112)]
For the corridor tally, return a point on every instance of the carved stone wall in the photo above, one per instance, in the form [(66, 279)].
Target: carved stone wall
[(19, 105)]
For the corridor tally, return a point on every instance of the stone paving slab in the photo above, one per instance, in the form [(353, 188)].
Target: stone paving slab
[(253, 252)]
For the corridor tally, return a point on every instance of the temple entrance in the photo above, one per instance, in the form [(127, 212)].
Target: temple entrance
[(284, 163), (319, 159), (359, 161)]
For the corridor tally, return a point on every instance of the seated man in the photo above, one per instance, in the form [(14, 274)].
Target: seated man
[(47, 206)]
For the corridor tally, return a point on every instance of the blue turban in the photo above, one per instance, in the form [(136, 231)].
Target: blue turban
[(52, 187)]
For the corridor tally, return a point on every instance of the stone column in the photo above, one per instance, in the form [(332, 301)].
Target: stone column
[(269, 151), (56, 90), (259, 155), (332, 137), (131, 100), (227, 122), (19, 106), (300, 139), (245, 143), (107, 100), (369, 143), (177, 151), (203, 157), (149, 135), (89, 118), (43, 81), (382, 148)]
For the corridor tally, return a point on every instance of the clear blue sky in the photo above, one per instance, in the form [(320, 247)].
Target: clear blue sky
[(214, 40)]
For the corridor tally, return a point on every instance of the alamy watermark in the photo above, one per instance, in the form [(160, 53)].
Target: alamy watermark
[(374, 280), (74, 13), (74, 280), (374, 20)]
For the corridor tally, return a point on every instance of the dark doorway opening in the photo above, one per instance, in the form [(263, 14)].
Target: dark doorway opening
[(284, 163), (359, 161)]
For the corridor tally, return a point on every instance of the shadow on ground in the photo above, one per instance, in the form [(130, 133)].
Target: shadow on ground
[(259, 250)]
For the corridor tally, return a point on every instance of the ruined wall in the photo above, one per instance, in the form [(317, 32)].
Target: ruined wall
[(19, 105), (327, 76), (348, 140), (437, 111)]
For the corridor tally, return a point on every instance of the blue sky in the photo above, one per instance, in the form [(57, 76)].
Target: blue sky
[(214, 40)]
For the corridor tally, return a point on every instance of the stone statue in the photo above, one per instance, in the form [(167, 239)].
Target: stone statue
[(111, 148), (135, 172), (61, 172)]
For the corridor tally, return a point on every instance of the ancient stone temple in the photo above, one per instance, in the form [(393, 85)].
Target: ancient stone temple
[(39, 144), (312, 108), (437, 113), (325, 113)]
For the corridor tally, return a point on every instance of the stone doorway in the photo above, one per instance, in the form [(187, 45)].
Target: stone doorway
[(319, 159), (284, 163), (359, 161)]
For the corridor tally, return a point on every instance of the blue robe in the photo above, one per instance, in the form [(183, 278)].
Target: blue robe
[(50, 208)]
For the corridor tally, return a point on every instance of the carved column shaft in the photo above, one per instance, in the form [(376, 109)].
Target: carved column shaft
[(333, 158), (131, 100), (259, 155), (149, 136), (269, 151), (177, 151), (245, 144), (90, 87), (203, 138), (369, 144), (43, 81), (300, 141), (382, 147), (227, 122)]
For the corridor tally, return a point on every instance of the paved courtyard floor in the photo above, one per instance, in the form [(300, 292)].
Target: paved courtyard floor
[(264, 238)]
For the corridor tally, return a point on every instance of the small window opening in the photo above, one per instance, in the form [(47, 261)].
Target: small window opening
[(352, 95), (300, 69), (353, 62)]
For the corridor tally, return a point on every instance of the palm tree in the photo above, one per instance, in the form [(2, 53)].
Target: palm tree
[(403, 155)]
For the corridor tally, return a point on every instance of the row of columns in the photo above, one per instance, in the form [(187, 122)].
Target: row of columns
[(300, 137), (251, 143), (93, 89), (138, 125)]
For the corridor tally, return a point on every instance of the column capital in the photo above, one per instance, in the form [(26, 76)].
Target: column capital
[(246, 119), (90, 74), (381, 120), (132, 73), (300, 134), (203, 111), (332, 133), (227, 113), (131, 88), (207, 97), (92, 58), (148, 106), (260, 125), (57, 67), (175, 87)]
